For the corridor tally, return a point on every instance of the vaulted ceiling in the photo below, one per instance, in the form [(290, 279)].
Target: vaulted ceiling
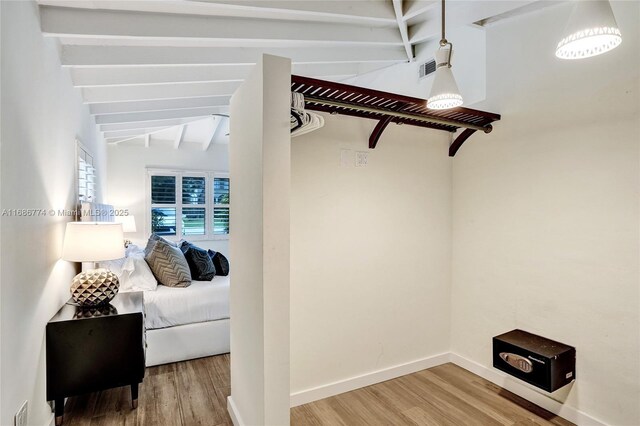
[(149, 68)]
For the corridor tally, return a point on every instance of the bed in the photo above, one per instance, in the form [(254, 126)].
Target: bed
[(187, 323), (180, 323)]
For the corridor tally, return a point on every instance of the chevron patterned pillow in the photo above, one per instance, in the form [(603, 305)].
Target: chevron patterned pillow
[(168, 264)]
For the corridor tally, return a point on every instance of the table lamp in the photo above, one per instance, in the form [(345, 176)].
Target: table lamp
[(93, 242), (128, 226)]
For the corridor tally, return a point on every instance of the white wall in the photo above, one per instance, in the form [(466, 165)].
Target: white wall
[(370, 251), (42, 115), (127, 177), (545, 224), (260, 161)]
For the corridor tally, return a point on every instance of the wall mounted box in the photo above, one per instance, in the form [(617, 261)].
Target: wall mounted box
[(539, 361)]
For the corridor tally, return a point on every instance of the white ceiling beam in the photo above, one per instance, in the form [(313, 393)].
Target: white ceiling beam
[(216, 126), (132, 125), (147, 140), (158, 115), (345, 11), (133, 132), (402, 27), (178, 140), (460, 13), (105, 56), (157, 105), (348, 9), (89, 77), (161, 91), (114, 24), (415, 8)]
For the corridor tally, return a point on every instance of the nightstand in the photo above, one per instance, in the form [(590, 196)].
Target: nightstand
[(92, 349)]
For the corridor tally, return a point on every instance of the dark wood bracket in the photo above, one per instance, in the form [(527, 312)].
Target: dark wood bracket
[(462, 138), (377, 131), (457, 143)]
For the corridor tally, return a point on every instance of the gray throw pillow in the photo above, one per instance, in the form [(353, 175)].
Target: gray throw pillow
[(167, 264)]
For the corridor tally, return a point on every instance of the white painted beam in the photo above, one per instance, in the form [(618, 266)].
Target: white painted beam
[(216, 128), (110, 24), (89, 77), (415, 8), (357, 12), (133, 132), (351, 10), (130, 125), (160, 91), (460, 13), (158, 105), (147, 140), (101, 56), (158, 115), (178, 140), (402, 27)]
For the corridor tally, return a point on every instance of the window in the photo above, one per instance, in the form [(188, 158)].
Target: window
[(221, 205), (193, 205), (86, 174)]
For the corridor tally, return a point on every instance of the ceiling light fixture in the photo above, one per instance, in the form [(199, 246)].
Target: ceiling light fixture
[(444, 92), (591, 30)]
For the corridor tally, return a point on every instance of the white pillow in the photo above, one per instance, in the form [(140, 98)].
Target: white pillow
[(114, 266), (133, 249), (136, 275)]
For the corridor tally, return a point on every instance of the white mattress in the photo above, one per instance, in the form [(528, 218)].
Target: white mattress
[(201, 301)]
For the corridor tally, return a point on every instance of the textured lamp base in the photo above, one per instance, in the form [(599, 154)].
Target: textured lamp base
[(95, 287)]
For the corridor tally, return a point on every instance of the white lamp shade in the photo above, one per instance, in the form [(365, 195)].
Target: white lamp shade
[(93, 241), (444, 92), (591, 30), (128, 223)]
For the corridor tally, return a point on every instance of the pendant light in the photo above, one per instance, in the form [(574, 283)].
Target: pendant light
[(444, 92), (592, 30)]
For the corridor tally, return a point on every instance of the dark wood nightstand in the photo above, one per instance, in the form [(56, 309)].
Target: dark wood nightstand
[(92, 349)]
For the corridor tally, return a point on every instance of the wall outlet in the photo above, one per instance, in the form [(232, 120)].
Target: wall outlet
[(361, 158), (346, 158), (21, 415)]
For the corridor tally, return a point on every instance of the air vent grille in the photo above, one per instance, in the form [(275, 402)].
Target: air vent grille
[(427, 68)]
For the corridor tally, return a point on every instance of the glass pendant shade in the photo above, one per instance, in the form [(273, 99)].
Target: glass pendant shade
[(444, 92), (592, 30)]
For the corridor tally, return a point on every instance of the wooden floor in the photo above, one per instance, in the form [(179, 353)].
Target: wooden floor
[(195, 392), (185, 393), (443, 395)]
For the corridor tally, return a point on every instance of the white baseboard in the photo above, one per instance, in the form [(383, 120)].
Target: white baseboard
[(331, 389), (234, 413), (527, 392)]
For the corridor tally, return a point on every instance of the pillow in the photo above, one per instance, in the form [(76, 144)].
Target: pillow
[(167, 264), (114, 266), (155, 237), (200, 264), (220, 262), (133, 249), (136, 275)]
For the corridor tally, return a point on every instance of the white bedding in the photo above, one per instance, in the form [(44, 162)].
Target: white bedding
[(201, 301)]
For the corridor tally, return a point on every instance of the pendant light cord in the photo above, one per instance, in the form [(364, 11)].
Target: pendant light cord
[(443, 41)]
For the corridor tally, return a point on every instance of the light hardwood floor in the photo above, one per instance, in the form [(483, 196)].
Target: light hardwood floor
[(195, 392), (184, 393), (446, 395)]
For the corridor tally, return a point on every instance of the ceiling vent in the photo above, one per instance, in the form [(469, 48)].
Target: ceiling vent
[(427, 68)]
